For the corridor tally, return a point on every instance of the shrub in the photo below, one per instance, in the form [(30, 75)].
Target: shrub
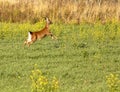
[(40, 83), (113, 82)]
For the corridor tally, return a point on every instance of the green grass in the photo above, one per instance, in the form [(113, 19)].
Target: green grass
[(81, 58)]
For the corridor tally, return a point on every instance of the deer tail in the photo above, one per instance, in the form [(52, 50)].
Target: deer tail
[(30, 32)]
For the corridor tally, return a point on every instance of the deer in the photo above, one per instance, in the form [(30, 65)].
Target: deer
[(38, 35)]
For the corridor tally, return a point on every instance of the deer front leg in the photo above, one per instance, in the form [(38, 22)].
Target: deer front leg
[(52, 36)]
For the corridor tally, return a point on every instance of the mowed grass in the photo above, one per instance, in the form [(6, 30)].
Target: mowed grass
[(81, 57)]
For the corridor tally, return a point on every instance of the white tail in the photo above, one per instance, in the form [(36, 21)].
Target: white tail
[(33, 36)]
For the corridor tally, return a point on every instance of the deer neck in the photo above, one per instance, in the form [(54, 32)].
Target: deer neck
[(47, 26)]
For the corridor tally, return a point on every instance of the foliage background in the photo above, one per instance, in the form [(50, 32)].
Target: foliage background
[(67, 11)]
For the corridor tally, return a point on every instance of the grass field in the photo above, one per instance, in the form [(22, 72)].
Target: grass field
[(81, 58)]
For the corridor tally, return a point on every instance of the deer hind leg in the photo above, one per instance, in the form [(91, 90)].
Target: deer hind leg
[(28, 43), (25, 42)]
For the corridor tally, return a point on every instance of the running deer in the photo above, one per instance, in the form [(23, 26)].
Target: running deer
[(38, 35)]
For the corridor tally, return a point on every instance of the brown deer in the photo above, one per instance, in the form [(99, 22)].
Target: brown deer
[(38, 35)]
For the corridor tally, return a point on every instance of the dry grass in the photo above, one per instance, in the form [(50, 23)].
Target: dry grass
[(67, 11)]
